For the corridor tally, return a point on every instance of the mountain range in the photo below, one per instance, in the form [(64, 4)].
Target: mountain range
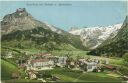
[(116, 46), (21, 30), (92, 37)]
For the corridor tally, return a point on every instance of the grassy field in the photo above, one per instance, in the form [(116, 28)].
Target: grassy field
[(66, 75), (21, 81), (7, 69)]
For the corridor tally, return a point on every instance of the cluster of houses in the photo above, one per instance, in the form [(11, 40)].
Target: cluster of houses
[(43, 61), (46, 61), (88, 65)]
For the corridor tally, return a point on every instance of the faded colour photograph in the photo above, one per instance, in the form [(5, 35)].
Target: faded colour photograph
[(64, 41)]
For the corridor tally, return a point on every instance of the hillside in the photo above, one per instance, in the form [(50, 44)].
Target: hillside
[(7, 70), (116, 46), (26, 32), (39, 37)]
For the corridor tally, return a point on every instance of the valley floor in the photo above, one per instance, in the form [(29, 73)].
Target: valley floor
[(64, 74)]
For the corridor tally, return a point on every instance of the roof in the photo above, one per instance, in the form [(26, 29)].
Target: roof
[(109, 66), (39, 60), (43, 54), (32, 71)]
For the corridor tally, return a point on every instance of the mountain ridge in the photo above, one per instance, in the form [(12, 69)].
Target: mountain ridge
[(94, 36), (116, 46)]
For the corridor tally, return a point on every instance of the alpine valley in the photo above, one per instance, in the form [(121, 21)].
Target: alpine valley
[(35, 51), (94, 36)]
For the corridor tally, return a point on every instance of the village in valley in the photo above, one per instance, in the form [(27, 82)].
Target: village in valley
[(34, 51), (46, 61)]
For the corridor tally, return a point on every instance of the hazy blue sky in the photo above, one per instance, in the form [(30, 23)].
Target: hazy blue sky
[(71, 14)]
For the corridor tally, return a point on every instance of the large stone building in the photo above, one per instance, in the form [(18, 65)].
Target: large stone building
[(87, 66), (40, 64)]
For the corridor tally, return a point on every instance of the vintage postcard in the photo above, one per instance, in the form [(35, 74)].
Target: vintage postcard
[(64, 41)]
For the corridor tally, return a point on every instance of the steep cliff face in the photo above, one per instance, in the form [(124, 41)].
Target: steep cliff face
[(94, 36), (116, 46)]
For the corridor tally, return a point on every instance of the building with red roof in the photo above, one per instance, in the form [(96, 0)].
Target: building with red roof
[(40, 64)]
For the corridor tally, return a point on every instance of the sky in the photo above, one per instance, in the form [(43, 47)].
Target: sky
[(67, 14)]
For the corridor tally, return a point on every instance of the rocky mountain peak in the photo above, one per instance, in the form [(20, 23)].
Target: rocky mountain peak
[(22, 20), (21, 12), (16, 20)]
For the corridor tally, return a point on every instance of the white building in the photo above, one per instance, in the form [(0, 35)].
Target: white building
[(40, 64), (88, 66), (91, 66), (61, 61)]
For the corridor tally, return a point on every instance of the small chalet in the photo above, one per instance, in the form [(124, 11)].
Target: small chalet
[(32, 74)]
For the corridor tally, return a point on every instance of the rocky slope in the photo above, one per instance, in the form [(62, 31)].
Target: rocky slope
[(94, 36)]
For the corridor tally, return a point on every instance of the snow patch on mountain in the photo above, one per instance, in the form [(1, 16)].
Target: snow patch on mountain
[(94, 36)]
